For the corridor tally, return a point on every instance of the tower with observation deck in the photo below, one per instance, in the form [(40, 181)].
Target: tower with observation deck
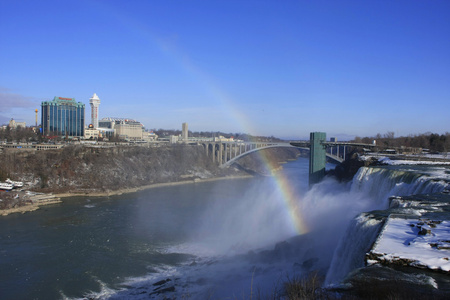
[(95, 103)]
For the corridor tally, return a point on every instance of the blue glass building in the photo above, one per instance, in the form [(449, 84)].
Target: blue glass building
[(63, 117)]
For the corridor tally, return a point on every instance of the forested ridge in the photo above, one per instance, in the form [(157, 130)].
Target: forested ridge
[(433, 141)]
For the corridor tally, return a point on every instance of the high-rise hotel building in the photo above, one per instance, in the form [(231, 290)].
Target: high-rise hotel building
[(63, 116), (95, 102)]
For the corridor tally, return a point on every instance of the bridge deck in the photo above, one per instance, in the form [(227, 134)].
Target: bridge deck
[(226, 153)]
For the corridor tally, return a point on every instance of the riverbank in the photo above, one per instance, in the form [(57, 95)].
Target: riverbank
[(146, 187), (25, 201), (21, 209)]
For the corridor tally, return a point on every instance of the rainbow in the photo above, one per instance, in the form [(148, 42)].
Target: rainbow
[(287, 194), (228, 106)]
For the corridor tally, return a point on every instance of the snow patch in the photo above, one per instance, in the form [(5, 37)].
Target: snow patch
[(419, 243), (396, 162)]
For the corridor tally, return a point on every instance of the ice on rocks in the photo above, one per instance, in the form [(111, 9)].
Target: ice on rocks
[(419, 243)]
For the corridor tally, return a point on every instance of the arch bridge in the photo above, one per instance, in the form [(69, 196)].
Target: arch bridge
[(225, 153)]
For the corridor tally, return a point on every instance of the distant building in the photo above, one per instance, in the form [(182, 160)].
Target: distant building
[(13, 124), (105, 133), (173, 139), (95, 103), (125, 128), (184, 132), (223, 139), (149, 136), (333, 140), (107, 123), (62, 116), (91, 133), (129, 130)]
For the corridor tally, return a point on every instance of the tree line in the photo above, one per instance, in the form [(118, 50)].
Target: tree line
[(210, 134), (20, 134), (431, 141)]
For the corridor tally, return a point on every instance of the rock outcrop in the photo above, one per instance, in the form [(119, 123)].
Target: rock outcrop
[(348, 168)]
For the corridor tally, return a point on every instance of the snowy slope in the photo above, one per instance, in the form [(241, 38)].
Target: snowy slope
[(420, 243)]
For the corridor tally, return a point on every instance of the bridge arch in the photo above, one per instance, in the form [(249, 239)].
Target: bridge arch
[(225, 153), (332, 157), (278, 145)]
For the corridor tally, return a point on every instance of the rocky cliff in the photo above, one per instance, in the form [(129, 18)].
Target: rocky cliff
[(86, 168), (349, 167)]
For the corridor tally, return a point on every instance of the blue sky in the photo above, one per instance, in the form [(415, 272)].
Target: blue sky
[(282, 68)]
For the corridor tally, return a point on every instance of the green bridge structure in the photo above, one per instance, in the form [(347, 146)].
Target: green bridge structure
[(225, 153), (318, 153)]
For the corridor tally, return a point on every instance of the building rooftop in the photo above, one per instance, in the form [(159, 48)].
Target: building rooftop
[(63, 101), (118, 119), (95, 97)]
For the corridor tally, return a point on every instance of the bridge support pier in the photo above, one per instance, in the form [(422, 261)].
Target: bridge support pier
[(317, 157)]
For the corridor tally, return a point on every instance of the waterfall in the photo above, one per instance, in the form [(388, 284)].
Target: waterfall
[(374, 185), (380, 183), (358, 239)]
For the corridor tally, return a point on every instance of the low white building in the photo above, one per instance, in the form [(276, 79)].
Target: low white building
[(129, 130), (13, 124), (91, 133), (223, 139), (124, 128), (149, 136)]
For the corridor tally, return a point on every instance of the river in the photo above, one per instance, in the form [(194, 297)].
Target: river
[(227, 238)]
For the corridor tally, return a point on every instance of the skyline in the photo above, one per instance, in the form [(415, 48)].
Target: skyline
[(259, 67)]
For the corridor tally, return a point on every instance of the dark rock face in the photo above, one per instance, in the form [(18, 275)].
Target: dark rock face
[(424, 231), (84, 168), (348, 168), (283, 250), (310, 263), (382, 282), (161, 282)]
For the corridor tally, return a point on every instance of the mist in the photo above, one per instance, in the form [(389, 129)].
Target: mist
[(258, 218), (250, 239), (241, 237)]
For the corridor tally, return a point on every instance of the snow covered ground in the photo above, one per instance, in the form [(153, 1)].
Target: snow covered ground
[(415, 160), (420, 243), (388, 161)]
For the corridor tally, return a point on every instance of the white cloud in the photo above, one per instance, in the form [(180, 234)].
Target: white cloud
[(10, 100), (15, 106)]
